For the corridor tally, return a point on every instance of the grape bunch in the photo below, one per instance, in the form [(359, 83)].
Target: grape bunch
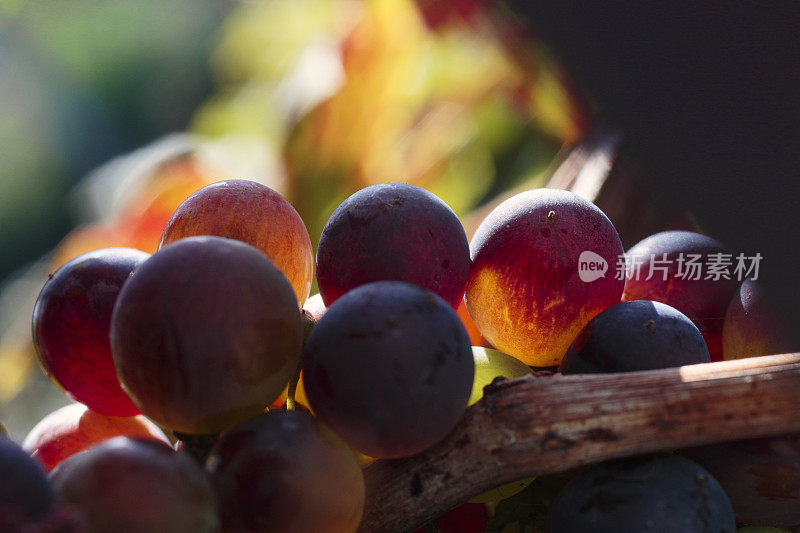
[(216, 395)]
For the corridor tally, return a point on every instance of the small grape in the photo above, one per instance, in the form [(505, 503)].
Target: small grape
[(252, 213), (635, 335), (701, 298), (761, 477), (525, 293)]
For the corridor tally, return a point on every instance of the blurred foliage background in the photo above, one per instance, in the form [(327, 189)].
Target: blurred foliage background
[(113, 112), (83, 81)]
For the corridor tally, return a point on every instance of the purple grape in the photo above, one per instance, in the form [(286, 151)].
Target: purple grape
[(389, 367), (205, 334), (393, 231)]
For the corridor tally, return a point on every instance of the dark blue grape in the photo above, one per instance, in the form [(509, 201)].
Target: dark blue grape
[(389, 367), (25, 492), (636, 335), (656, 494)]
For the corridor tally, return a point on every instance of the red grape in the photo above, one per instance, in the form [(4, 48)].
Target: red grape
[(71, 322), (466, 518), (753, 326), (525, 292)]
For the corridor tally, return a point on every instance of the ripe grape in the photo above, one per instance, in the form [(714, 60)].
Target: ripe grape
[(654, 493), (205, 334), (393, 231), (753, 326), (25, 493), (525, 293), (635, 335), (252, 213), (704, 300), (389, 368), (74, 428), (284, 472), (71, 322), (137, 485)]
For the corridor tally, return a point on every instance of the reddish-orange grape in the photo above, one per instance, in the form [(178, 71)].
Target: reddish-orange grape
[(753, 326), (74, 428), (526, 294), (253, 213)]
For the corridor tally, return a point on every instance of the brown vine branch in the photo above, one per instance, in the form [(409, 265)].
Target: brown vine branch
[(546, 424)]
